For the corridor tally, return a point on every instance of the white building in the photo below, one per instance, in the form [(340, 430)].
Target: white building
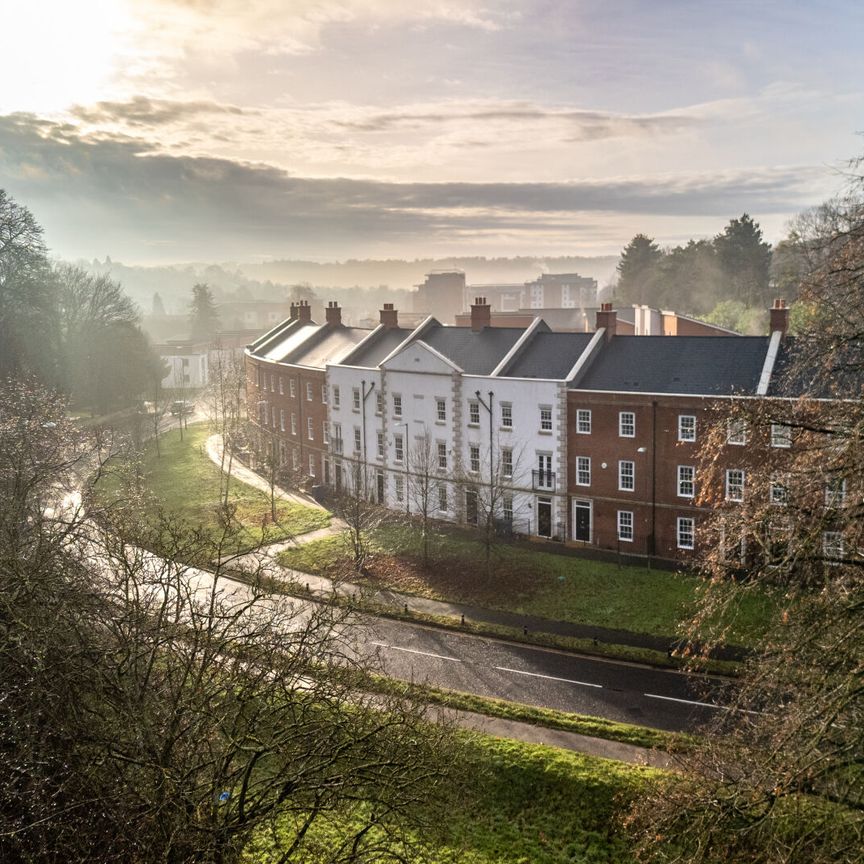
[(459, 421)]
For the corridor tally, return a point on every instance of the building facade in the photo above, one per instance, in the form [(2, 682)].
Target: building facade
[(590, 439)]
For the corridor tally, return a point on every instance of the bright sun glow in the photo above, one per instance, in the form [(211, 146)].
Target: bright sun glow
[(56, 53)]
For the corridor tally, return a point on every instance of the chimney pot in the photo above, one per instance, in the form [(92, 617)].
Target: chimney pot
[(304, 311), (293, 311), (481, 314), (779, 316), (607, 318), (333, 314), (389, 316)]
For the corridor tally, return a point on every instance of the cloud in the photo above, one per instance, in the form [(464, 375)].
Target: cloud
[(585, 125), (122, 191), (141, 112)]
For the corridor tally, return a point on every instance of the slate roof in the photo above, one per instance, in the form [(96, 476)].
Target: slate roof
[(371, 354), (476, 353), (697, 365), (548, 355), (284, 340), (837, 376), (328, 345)]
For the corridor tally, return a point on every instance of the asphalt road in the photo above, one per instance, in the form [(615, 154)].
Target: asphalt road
[(552, 679)]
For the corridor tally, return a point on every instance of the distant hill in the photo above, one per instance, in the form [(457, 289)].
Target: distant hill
[(381, 279)]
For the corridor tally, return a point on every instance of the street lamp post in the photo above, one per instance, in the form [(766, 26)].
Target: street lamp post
[(491, 414)]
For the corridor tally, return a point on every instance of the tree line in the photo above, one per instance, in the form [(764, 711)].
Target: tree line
[(729, 280)]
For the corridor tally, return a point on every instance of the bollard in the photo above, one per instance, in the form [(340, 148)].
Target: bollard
[(406, 608), (525, 631), (463, 620)]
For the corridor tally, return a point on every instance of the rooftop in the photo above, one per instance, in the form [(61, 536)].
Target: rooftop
[(549, 355), (697, 365), (475, 352)]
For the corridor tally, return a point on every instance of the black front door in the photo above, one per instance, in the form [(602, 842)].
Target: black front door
[(582, 521), (544, 517)]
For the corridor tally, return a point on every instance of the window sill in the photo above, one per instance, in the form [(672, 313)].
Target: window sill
[(545, 432), (505, 428), (473, 425), (440, 422)]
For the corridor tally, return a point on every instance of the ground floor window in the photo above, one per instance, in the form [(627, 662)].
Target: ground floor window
[(625, 525), (686, 532)]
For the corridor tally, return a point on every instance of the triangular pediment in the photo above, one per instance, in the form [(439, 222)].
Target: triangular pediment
[(417, 356)]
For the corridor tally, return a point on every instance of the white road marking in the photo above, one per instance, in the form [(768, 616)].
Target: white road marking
[(414, 651), (547, 677), (687, 702)]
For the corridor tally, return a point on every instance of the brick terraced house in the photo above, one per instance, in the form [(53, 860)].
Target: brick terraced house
[(590, 439)]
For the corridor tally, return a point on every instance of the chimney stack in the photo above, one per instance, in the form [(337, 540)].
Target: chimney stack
[(293, 311), (779, 317), (304, 311), (389, 316), (333, 313), (607, 317), (481, 314)]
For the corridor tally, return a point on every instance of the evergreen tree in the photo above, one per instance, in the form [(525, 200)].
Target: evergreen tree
[(203, 314), (638, 271), (745, 259)]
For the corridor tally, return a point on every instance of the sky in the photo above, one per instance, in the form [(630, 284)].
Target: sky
[(159, 131)]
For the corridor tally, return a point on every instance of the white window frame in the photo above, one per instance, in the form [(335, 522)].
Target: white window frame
[(355, 398), (473, 412), (325, 432), (739, 486), (507, 508), (337, 396), (308, 391), (358, 441), (281, 419), (293, 423), (833, 545), (626, 474), (442, 497), (625, 524), (474, 458), (442, 455), (781, 435), (281, 386), (440, 410), (687, 427), (399, 485), (292, 387), (583, 469), (397, 405), (583, 421), (398, 448), (380, 444), (323, 394), (379, 403), (778, 492), (506, 415), (685, 526), (736, 431), (626, 424), (686, 481), (312, 468), (545, 418), (310, 428), (507, 462)]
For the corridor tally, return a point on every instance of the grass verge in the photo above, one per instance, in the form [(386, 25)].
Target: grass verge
[(520, 804), (529, 581), (184, 483)]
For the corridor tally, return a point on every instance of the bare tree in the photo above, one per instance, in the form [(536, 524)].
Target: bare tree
[(223, 400), (778, 778), (151, 711), (354, 506), (424, 477)]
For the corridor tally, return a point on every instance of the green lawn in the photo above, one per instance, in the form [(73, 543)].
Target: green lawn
[(535, 582), (524, 804), (184, 482)]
